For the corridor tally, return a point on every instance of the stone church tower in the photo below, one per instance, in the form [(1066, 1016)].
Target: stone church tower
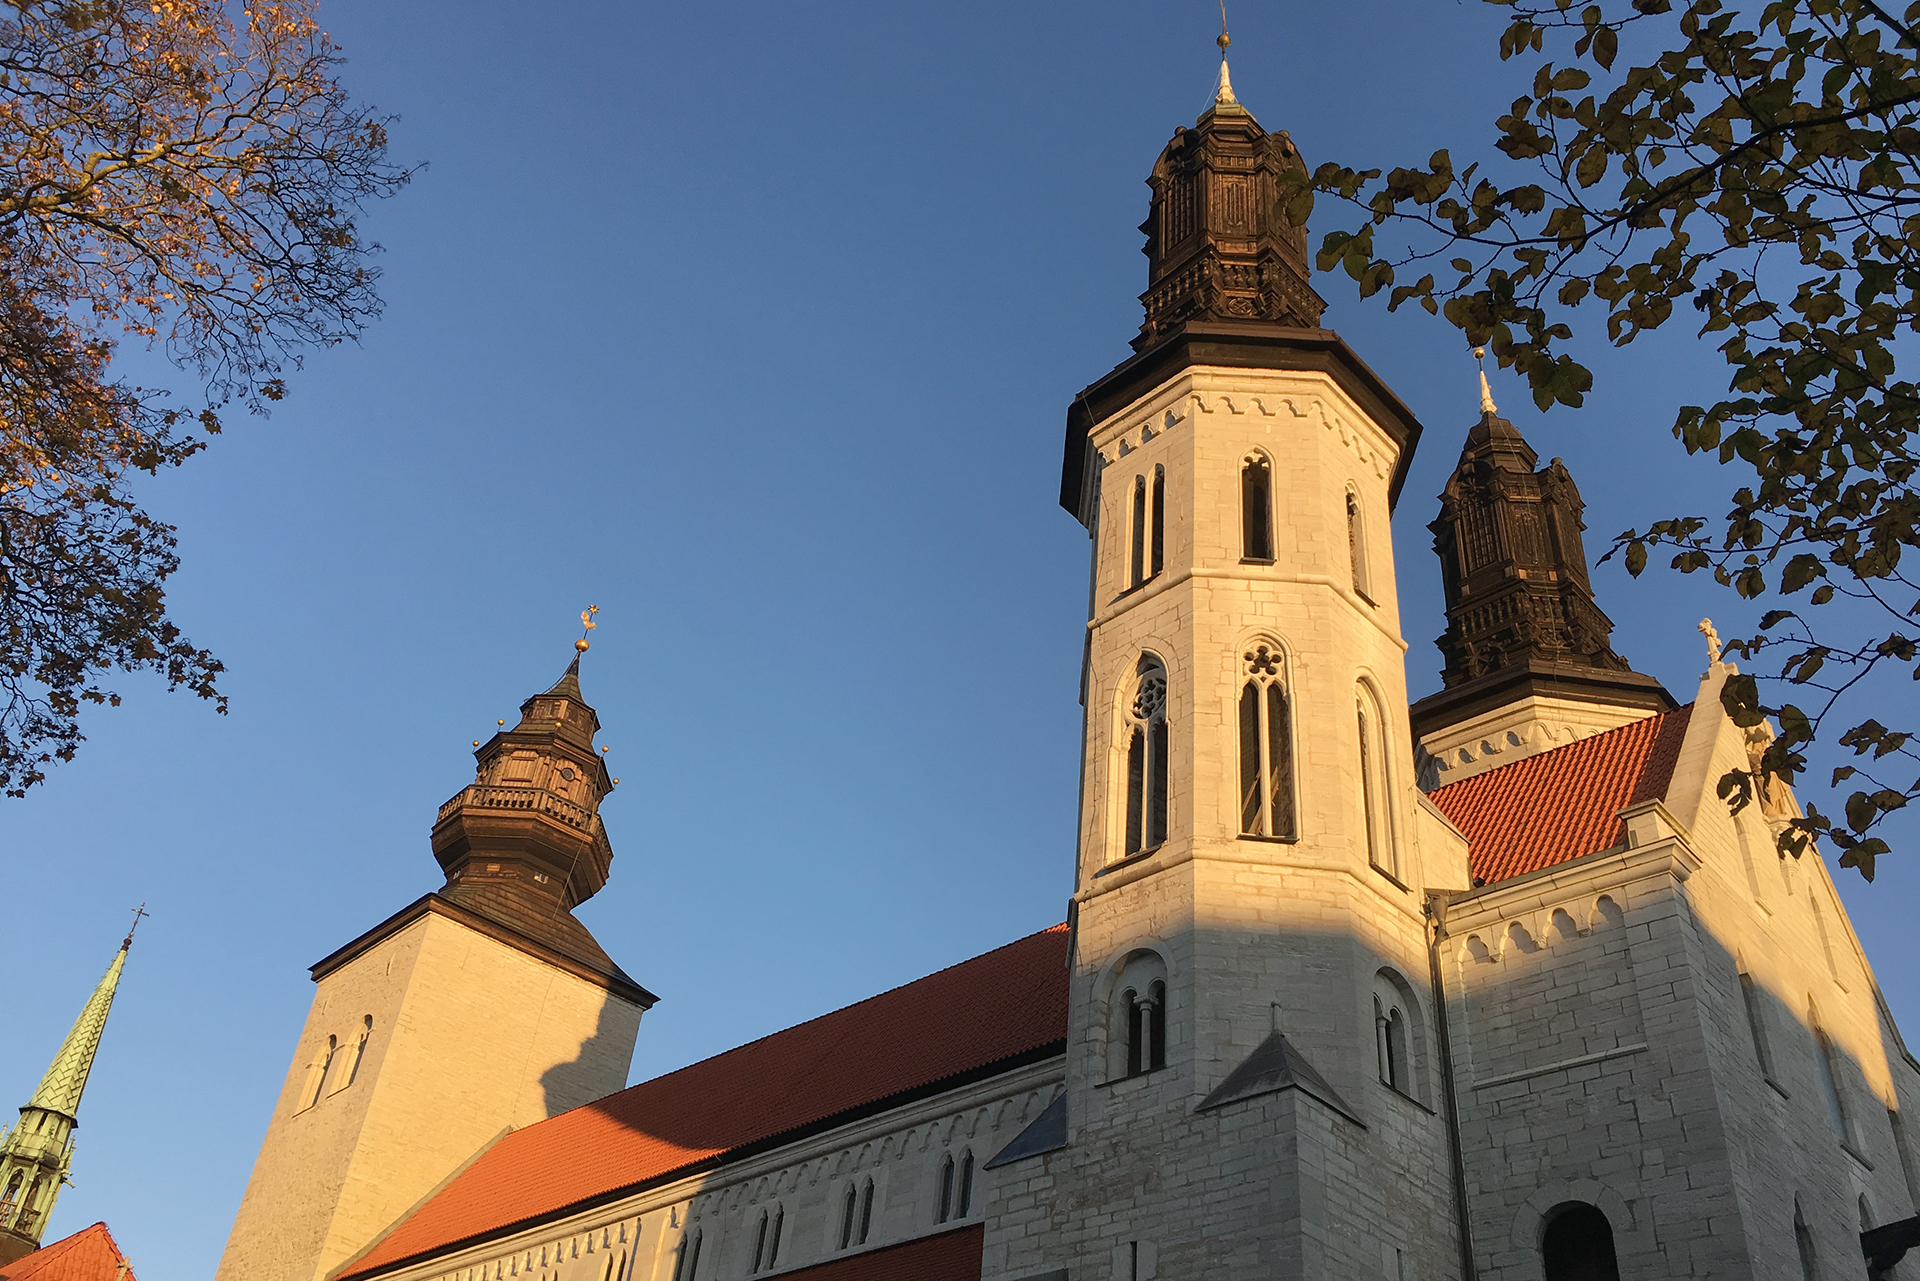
[(478, 1009), (1249, 927), (37, 1153)]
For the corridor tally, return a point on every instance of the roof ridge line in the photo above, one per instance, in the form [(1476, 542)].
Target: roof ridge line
[(827, 1014)]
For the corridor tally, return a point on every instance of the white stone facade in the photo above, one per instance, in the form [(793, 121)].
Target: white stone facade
[(466, 1037)]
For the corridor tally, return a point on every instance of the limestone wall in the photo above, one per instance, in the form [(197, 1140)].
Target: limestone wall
[(1606, 1053), (470, 1037)]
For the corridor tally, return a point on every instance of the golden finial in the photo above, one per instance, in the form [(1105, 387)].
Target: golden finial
[(501, 722), (587, 623), (1486, 392), (1223, 89)]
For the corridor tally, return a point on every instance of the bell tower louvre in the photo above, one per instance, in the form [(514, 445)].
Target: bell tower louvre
[(478, 1009), (1529, 659)]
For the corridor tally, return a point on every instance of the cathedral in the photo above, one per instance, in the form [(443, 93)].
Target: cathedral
[(1488, 987)]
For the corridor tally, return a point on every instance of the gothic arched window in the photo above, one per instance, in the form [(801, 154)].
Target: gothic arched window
[(317, 1074), (847, 1214), (966, 1185), (1374, 815), (359, 1052), (1138, 571), (946, 1190), (1146, 739), (1803, 1239), (1266, 747), (1256, 509), (1752, 997), (1137, 1016), (1578, 1245), (866, 1211), (1159, 539), (1830, 1082), (1146, 1028), (1357, 546)]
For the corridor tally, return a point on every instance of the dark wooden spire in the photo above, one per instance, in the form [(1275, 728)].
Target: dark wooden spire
[(1218, 246), (530, 821), (1521, 617)]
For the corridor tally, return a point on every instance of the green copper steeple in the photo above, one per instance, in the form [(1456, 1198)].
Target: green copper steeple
[(38, 1152)]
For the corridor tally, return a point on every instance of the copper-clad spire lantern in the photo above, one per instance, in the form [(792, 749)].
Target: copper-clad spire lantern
[(531, 816), (1521, 618), (1218, 245)]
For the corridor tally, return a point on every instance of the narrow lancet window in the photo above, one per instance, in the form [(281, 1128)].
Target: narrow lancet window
[(1830, 1086), (1757, 1022), (773, 1246), (946, 1191), (1159, 521), (1357, 546), (847, 1216), (760, 1243), (866, 1211), (1139, 566), (1373, 783), (1256, 508), (1266, 748), (966, 1185), (1147, 766), (359, 1051)]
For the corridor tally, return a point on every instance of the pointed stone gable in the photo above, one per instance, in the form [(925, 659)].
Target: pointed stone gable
[(1276, 1064)]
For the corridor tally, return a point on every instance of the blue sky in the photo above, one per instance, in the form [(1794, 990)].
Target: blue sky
[(753, 324)]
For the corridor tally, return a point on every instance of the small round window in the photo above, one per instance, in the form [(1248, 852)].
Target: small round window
[(567, 774)]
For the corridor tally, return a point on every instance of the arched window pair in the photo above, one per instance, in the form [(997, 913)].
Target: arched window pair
[(1390, 1035), (856, 1217), (1266, 747), (686, 1267), (956, 1188), (317, 1074), (1137, 1017), (1149, 527), (766, 1244), (1146, 1028), (1396, 1034), (1147, 767)]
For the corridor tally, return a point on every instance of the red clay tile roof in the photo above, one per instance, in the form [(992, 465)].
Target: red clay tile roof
[(1561, 804), (969, 1021), (88, 1255), (950, 1256)]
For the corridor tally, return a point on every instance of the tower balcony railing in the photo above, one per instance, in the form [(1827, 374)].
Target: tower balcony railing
[(538, 800)]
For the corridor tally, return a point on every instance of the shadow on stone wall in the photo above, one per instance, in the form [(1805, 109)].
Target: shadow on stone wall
[(583, 1078)]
